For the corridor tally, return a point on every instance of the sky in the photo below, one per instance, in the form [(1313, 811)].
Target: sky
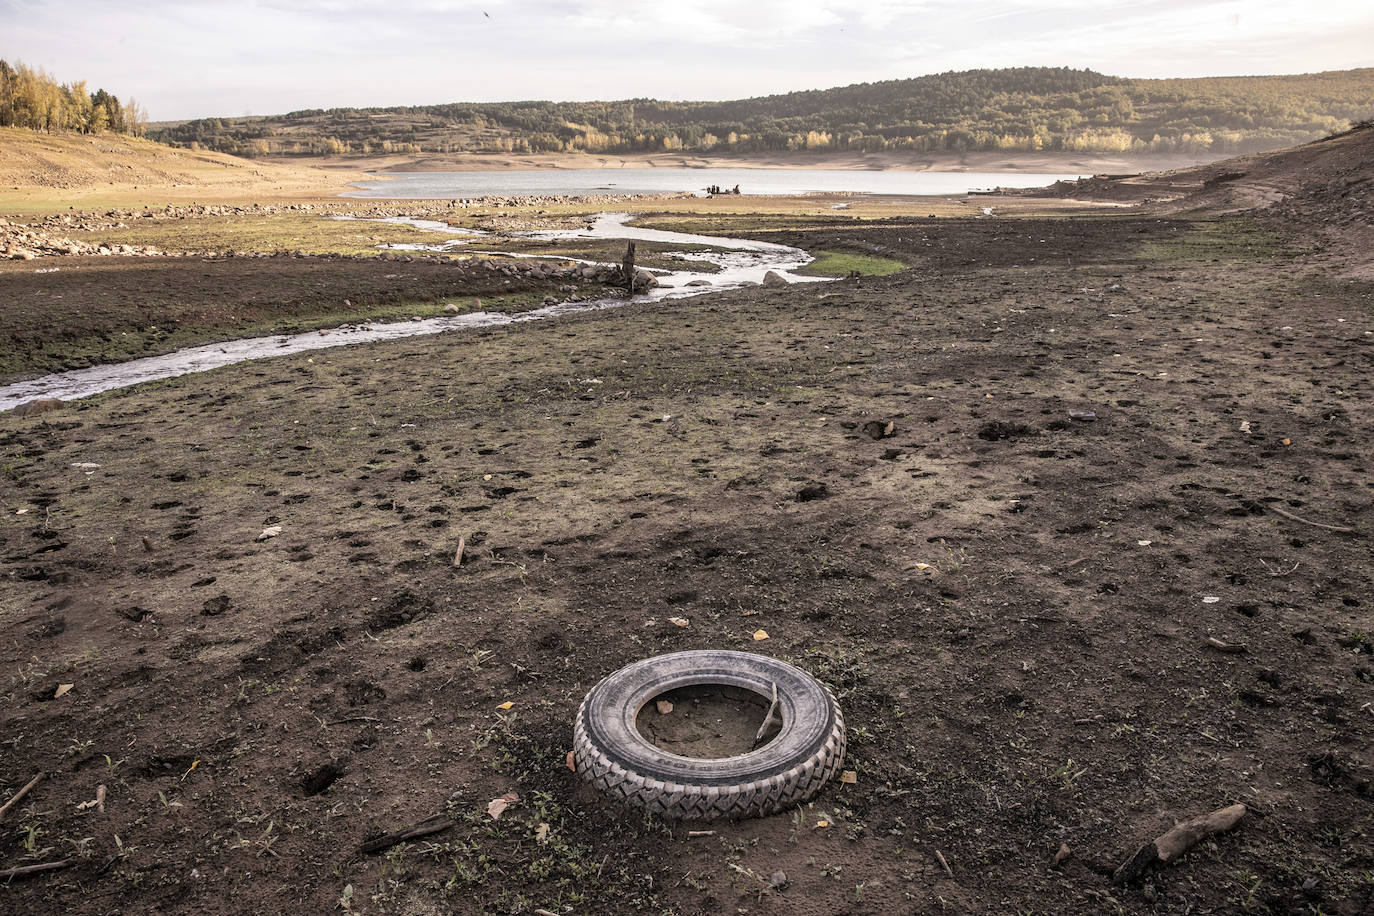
[(216, 58)]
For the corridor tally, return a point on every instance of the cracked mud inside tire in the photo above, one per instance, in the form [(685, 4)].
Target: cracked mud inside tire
[(615, 757)]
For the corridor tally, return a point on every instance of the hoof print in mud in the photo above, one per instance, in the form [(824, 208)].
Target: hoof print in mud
[(704, 766)]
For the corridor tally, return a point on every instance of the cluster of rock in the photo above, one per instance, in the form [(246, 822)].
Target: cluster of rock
[(50, 235), (22, 243)]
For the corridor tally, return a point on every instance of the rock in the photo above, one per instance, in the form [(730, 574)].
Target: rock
[(773, 278), (452, 309), (698, 283), (40, 405), (879, 429), (778, 879)]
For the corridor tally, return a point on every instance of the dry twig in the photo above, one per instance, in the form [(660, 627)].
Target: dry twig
[(768, 719), (19, 795), (23, 870), (1307, 521), (436, 824)]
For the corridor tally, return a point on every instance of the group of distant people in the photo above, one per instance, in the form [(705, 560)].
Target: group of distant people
[(715, 189)]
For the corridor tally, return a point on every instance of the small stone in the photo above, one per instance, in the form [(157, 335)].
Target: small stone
[(778, 879), (664, 707)]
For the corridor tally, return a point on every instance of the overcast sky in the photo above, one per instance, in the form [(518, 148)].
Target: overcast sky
[(201, 58)]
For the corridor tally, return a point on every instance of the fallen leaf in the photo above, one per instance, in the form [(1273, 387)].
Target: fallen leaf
[(1210, 599), (849, 777), (664, 707), (572, 761), (679, 621), (1144, 543), (541, 834), (1245, 426), (822, 825), (924, 566), (486, 477), (63, 690), (760, 635), (497, 806), (271, 532), (506, 705)]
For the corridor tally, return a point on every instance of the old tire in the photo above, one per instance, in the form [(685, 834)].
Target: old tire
[(612, 755)]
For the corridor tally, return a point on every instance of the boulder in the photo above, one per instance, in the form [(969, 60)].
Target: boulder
[(39, 405), (773, 278)]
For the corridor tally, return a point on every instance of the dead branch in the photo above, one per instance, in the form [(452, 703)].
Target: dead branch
[(1176, 842), (1307, 521), (768, 719), (436, 824), (23, 870), (19, 795)]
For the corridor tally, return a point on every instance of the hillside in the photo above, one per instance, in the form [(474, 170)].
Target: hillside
[(1022, 109), (1325, 188), (112, 167)]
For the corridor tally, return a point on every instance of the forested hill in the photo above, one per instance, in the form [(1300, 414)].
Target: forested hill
[(1022, 109)]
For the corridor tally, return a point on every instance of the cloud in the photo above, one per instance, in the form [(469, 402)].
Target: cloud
[(201, 58)]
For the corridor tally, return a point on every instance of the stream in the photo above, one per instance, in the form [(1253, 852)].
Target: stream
[(743, 262)]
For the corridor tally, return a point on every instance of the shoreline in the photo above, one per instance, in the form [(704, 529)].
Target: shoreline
[(1028, 163)]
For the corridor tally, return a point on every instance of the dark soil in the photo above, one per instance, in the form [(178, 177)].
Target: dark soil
[(1012, 602), (105, 309)]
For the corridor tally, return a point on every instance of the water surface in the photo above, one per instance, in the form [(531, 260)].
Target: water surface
[(440, 185)]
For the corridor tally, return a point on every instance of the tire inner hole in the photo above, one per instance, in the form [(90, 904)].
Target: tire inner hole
[(707, 721)]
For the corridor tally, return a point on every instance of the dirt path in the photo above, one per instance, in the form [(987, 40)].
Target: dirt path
[(1012, 598)]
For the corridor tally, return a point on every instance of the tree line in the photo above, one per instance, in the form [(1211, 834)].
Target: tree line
[(1015, 110), (33, 99)]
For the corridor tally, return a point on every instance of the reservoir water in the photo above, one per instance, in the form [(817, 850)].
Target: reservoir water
[(542, 182)]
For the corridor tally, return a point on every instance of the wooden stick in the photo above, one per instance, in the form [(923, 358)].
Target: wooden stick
[(701, 833), (1227, 647), (23, 870), (941, 856), (20, 794), (436, 824), (1298, 518), (458, 556), (768, 719), (1176, 842)]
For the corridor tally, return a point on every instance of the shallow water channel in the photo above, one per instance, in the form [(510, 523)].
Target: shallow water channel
[(743, 262)]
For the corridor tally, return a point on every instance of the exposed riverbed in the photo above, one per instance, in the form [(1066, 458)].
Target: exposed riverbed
[(743, 261)]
